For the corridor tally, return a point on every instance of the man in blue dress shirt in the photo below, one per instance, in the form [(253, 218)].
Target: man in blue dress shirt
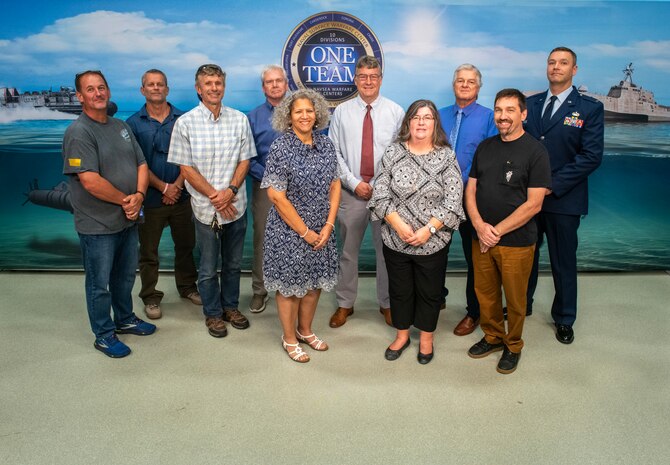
[(167, 204), (467, 123), (275, 86)]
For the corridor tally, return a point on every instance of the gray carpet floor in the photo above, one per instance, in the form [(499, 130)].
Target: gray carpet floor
[(183, 397)]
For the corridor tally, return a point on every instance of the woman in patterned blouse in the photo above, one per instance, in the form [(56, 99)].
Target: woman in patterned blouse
[(418, 194), (300, 252)]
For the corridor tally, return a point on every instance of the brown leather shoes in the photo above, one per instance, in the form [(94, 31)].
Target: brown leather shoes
[(466, 326), (340, 316), (387, 315)]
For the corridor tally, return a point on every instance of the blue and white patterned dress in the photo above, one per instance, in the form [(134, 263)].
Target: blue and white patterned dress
[(305, 173)]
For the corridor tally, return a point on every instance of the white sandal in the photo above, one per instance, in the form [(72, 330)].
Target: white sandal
[(316, 343), (297, 354)]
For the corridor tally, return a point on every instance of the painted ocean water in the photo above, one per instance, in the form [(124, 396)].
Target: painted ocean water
[(628, 227)]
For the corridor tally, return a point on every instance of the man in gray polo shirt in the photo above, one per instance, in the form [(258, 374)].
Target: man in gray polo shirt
[(108, 182)]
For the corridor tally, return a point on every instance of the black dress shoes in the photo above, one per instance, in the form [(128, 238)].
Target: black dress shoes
[(565, 334), (392, 355), (508, 362), (425, 358), (483, 348)]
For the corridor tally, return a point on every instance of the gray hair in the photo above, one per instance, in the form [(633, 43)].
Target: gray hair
[(269, 68), (281, 118), (368, 61), (468, 67), (154, 71)]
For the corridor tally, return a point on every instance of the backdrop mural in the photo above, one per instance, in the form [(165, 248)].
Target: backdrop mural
[(628, 227)]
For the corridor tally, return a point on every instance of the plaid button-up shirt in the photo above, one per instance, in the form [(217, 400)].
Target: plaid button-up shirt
[(214, 147)]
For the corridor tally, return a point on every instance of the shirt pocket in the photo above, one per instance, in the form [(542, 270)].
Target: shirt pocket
[(513, 175)]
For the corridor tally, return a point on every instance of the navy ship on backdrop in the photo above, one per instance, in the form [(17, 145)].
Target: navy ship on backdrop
[(627, 101), (63, 100)]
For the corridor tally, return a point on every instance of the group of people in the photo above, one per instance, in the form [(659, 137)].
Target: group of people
[(504, 178)]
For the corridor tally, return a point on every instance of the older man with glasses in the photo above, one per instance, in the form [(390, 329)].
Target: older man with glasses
[(361, 129), (467, 123), (213, 145)]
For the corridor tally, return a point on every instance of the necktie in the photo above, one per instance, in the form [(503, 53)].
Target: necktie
[(367, 148), (453, 136), (547, 112)]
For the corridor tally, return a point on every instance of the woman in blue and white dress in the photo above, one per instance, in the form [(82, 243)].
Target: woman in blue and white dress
[(300, 251)]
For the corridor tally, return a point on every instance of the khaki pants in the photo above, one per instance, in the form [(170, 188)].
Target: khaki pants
[(509, 268)]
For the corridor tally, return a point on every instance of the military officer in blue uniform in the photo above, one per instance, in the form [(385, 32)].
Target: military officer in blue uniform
[(571, 127)]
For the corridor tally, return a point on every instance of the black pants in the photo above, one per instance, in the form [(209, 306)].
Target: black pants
[(415, 288)]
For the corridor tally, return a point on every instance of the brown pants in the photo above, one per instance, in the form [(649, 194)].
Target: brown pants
[(508, 267)]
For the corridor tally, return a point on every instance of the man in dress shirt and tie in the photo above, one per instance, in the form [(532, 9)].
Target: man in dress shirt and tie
[(361, 129), (467, 123), (275, 85), (571, 126)]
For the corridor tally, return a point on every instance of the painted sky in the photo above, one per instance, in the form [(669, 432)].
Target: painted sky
[(45, 43)]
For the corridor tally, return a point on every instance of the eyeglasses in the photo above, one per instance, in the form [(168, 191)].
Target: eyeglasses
[(369, 77), (426, 118)]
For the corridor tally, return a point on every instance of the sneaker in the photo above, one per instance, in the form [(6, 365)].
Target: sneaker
[(483, 348), (508, 362), (194, 297), (153, 311), (236, 319), (258, 303), (216, 326), (136, 326), (111, 346)]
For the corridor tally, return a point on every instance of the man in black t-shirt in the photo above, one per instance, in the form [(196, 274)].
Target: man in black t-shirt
[(508, 180)]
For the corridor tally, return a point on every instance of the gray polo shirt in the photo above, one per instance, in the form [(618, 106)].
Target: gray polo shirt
[(109, 149)]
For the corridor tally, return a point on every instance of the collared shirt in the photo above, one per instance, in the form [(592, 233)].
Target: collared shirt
[(477, 124), (346, 132), (260, 119), (560, 98), (214, 147), (154, 138)]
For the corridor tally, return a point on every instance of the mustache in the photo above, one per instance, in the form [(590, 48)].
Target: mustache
[(504, 121)]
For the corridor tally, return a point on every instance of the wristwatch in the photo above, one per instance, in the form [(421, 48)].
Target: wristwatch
[(432, 229), (233, 188)]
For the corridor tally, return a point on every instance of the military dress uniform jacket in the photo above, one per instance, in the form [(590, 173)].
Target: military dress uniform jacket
[(575, 142)]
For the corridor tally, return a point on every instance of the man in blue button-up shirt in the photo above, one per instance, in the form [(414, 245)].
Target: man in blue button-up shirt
[(275, 85), (465, 132), (166, 203)]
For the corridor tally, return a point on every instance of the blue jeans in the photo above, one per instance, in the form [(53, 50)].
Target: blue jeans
[(228, 244), (110, 262)]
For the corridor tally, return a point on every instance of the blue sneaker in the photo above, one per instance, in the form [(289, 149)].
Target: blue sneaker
[(137, 327), (111, 346)]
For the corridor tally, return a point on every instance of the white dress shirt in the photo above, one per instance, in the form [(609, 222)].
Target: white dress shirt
[(346, 132)]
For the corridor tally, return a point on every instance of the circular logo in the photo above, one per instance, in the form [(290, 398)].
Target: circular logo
[(322, 51)]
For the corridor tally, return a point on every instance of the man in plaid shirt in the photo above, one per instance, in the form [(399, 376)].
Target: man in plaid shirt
[(213, 144)]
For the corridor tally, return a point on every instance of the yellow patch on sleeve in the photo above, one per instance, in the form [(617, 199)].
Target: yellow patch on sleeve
[(74, 161)]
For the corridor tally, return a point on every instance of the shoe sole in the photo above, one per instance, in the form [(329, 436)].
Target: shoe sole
[(505, 372), (485, 354), (153, 316), (330, 323), (262, 307), (133, 331), (111, 355), (237, 325), (217, 334)]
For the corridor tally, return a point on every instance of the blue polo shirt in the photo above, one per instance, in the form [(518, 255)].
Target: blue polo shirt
[(477, 124), (154, 138), (260, 120)]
